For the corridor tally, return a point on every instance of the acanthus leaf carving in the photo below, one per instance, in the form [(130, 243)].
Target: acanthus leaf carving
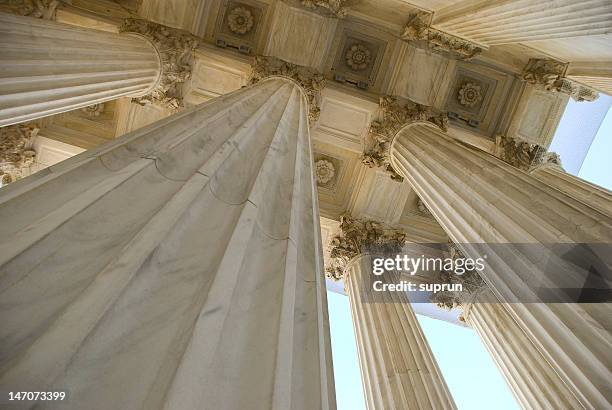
[(176, 52), (418, 28), (337, 8), (548, 75), (311, 81), (520, 154), (357, 236), (43, 9), (394, 116), (16, 153)]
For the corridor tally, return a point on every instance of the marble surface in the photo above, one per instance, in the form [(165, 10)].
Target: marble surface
[(179, 266)]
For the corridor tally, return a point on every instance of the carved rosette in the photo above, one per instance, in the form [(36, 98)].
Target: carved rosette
[(419, 28), (324, 171), (176, 51), (93, 110), (16, 153), (43, 9), (240, 20), (470, 280), (355, 237), (310, 80), (358, 57), (336, 8), (469, 94), (521, 154), (394, 116)]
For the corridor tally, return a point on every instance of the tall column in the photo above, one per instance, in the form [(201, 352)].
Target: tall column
[(495, 22), (398, 370), (552, 173), (532, 380), (48, 68), (176, 267), (479, 199)]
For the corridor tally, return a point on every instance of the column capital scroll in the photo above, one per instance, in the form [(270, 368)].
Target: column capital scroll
[(311, 81), (394, 116), (354, 237), (175, 48)]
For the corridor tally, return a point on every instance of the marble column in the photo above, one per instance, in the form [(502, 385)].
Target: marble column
[(177, 267), (479, 199), (398, 370), (48, 68), (496, 22), (552, 173), (532, 380)]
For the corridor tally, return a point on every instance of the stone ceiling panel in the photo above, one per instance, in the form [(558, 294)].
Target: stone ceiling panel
[(299, 36)]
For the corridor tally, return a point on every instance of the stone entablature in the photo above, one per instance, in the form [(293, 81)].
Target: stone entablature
[(549, 75), (355, 236), (419, 28), (311, 81), (394, 116), (175, 48)]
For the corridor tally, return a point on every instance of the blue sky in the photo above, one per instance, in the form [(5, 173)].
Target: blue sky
[(473, 380)]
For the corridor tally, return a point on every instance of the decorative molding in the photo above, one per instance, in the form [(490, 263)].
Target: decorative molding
[(310, 80), (470, 280), (337, 8), (354, 237), (394, 116), (16, 153), (520, 154), (419, 28), (176, 51), (548, 75), (469, 94), (93, 110), (358, 57), (324, 171), (240, 20), (43, 9)]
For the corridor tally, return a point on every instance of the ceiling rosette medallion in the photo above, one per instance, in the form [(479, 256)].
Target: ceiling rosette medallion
[(240, 20), (358, 57), (394, 116)]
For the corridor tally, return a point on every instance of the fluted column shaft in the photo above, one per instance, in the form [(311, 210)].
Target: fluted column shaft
[(398, 369), (48, 68), (590, 194), (532, 380), (479, 199), (178, 267), (502, 21)]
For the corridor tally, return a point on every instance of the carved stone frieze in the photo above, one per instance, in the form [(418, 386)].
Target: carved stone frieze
[(16, 153), (548, 74), (44, 9), (355, 237), (470, 280), (521, 154), (310, 80), (394, 116), (337, 8), (419, 28), (176, 50)]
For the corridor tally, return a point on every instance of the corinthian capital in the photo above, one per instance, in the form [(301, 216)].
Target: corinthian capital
[(419, 28), (393, 117), (548, 74), (310, 80), (518, 153), (16, 153), (470, 280), (337, 8), (44, 9), (176, 51), (357, 236)]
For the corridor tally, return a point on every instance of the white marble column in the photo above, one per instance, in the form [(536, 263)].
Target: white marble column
[(495, 22), (178, 267), (398, 370), (479, 199), (397, 366), (533, 382), (590, 194), (48, 68)]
